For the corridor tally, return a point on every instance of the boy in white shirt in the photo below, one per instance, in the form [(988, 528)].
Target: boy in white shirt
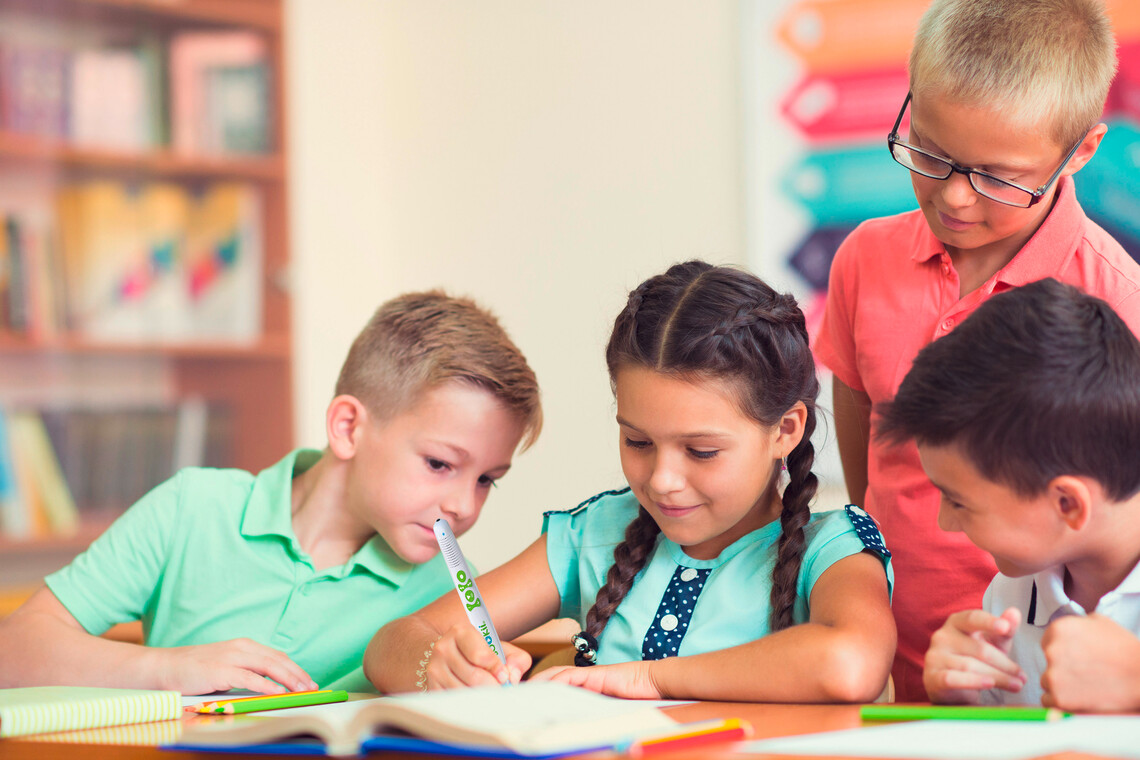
[(1037, 458)]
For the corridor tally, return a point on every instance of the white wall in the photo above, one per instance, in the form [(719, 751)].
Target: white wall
[(543, 157)]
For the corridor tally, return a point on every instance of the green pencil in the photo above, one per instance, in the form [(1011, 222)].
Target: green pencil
[(884, 713), (279, 701)]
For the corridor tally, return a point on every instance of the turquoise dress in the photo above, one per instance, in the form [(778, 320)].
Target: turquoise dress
[(683, 606)]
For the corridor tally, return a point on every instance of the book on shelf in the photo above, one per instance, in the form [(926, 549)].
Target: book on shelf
[(62, 466), (523, 720), (45, 709), (160, 263), (219, 97)]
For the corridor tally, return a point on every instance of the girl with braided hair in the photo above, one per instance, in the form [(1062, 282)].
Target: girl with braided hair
[(708, 577)]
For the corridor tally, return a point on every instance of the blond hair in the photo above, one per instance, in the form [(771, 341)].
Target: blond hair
[(416, 341), (1042, 65)]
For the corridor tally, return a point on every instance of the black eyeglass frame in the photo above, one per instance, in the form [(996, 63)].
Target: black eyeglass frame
[(1034, 195)]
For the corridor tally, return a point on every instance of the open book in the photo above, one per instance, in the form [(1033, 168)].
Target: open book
[(524, 720)]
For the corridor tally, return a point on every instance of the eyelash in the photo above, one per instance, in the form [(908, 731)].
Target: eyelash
[(695, 453), (438, 465)]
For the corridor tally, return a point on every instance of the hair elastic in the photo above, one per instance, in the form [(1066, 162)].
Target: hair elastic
[(587, 647)]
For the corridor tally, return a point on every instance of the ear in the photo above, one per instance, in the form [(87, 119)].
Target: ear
[(790, 429), (1072, 500), (344, 423), (1087, 150)]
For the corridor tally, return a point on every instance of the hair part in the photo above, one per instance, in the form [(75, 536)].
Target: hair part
[(416, 341), (1040, 381), (1041, 65), (699, 322)]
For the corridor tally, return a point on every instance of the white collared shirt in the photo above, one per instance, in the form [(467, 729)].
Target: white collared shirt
[(1042, 599)]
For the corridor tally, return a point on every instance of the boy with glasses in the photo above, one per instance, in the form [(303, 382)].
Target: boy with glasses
[(1005, 103)]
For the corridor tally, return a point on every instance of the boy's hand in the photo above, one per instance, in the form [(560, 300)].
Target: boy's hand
[(629, 680), (225, 665), (1092, 664), (969, 653), (461, 657)]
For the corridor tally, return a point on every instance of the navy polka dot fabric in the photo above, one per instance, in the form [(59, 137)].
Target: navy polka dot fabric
[(867, 531), (674, 613)]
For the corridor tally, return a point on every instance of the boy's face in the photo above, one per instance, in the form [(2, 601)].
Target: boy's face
[(438, 458), (978, 138), (1022, 534)]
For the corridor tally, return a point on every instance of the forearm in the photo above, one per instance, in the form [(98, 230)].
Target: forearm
[(394, 654), (853, 434), (806, 663), (38, 649)]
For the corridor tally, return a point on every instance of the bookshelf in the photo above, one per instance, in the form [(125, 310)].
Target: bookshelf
[(166, 118)]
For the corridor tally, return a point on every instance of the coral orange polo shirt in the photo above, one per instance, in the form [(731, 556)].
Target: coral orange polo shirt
[(894, 289)]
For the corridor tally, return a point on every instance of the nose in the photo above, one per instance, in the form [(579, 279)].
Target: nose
[(462, 505), (957, 191), (947, 519), (667, 476)]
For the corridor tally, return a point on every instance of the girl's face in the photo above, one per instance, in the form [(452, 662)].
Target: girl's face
[(702, 468)]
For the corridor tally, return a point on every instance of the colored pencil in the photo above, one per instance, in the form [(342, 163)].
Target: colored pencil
[(692, 736), (269, 702), (878, 713)]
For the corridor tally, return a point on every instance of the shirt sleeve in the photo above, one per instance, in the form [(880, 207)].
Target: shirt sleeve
[(835, 342), (115, 578), (834, 537), (563, 541)]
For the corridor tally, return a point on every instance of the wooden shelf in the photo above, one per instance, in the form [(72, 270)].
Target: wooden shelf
[(89, 530), (251, 381), (255, 14), (162, 163), (269, 347)]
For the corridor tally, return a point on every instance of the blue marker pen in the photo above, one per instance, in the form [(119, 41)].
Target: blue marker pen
[(465, 585)]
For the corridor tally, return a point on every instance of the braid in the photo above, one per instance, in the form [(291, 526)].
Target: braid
[(794, 516), (630, 557)]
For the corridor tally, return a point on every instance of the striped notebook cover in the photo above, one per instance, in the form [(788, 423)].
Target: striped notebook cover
[(43, 709)]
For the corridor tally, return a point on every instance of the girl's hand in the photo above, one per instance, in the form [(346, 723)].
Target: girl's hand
[(225, 665), (461, 657), (629, 680), (970, 653)]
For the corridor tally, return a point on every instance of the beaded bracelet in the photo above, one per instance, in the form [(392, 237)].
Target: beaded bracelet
[(421, 673)]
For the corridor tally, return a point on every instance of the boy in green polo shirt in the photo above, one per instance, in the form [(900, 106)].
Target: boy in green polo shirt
[(277, 581)]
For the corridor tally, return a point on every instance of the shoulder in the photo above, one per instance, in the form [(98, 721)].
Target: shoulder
[(884, 235), (1108, 271), (877, 250), (850, 522), (598, 516)]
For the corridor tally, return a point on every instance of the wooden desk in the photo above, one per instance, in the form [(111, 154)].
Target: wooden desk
[(767, 719)]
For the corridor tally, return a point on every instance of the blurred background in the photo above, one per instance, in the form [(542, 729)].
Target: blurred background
[(204, 200)]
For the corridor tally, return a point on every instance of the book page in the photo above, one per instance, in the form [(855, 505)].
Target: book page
[(1114, 736), (530, 718)]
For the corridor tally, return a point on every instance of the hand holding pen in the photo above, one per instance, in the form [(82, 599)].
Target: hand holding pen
[(470, 653)]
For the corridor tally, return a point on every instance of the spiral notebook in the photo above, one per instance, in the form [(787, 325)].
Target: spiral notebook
[(43, 709)]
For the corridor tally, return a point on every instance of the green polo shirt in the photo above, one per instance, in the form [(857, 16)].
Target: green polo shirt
[(210, 555)]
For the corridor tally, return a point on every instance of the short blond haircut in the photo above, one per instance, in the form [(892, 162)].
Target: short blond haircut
[(418, 340), (1042, 65)]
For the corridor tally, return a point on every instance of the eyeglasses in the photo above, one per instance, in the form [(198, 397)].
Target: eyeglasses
[(934, 166)]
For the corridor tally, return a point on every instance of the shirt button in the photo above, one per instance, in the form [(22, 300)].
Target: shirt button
[(946, 269), (948, 325), (669, 622), (688, 574)]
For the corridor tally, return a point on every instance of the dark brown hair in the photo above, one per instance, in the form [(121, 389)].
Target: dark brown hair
[(419, 340), (1041, 381), (697, 321)]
